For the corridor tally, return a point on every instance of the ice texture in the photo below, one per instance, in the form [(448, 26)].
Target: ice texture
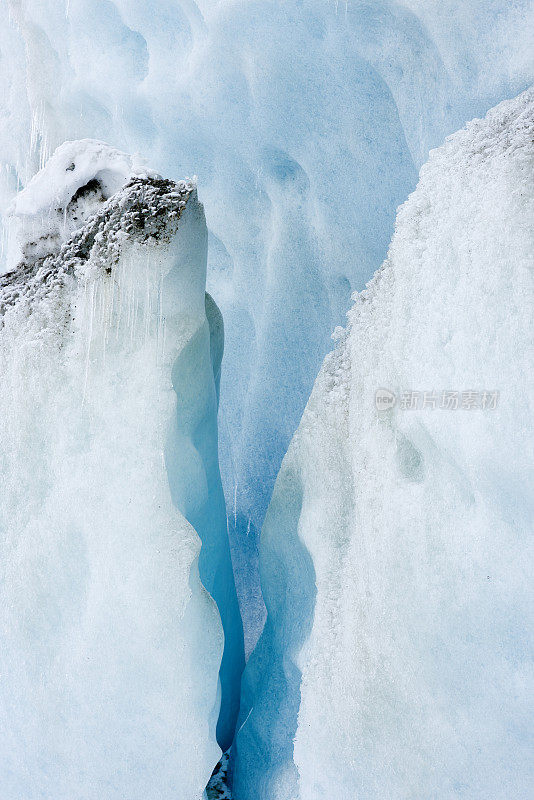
[(396, 556), (109, 357), (306, 122)]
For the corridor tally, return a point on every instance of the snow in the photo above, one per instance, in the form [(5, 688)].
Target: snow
[(396, 555), (111, 645), (310, 118)]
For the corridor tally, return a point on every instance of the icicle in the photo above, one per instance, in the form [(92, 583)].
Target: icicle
[(89, 338), (147, 299)]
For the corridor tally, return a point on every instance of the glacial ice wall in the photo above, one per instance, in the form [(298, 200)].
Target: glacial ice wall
[(309, 117), (110, 644), (396, 556)]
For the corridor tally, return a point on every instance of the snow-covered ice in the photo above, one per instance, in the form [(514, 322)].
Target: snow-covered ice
[(306, 122), (396, 556), (111, 645)]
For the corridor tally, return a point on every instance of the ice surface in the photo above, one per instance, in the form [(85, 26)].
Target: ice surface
[(310, 118), (111, 646), (396, 556)]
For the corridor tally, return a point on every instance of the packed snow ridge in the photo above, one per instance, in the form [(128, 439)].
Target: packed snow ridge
[(396, 555), (110, 355)]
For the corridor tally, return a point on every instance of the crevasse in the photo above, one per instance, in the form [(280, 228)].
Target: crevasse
[(307, 122)]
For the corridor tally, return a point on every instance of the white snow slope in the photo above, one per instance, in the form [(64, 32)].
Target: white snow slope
[(310, 118), (396, 555), (110, 645)]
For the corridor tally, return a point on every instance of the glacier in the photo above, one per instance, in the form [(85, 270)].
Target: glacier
[(397, 659), (112, 683), (306, 122), (395, 561)]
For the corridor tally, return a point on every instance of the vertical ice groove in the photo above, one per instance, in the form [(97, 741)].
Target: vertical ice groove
[(111, 646)]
